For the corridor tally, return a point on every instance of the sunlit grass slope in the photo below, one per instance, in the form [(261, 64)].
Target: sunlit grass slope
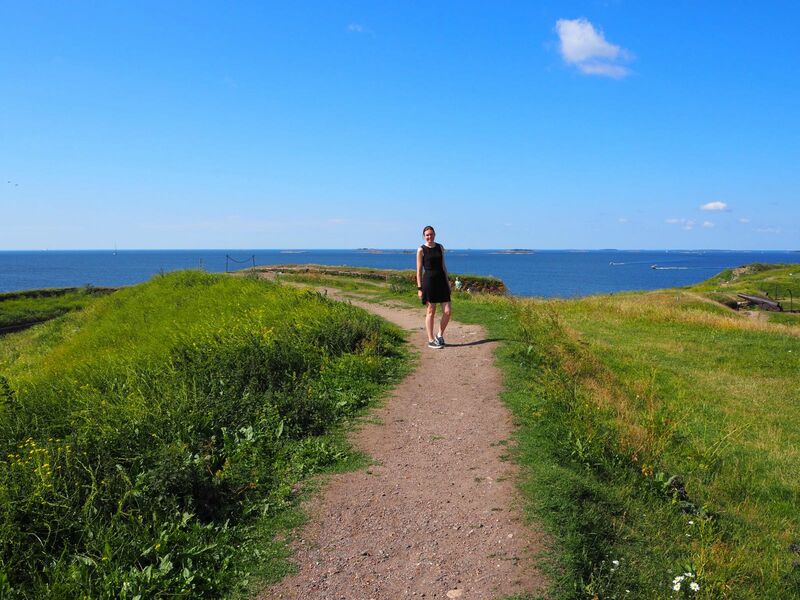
[(713, 399), (659, 433), (757, 278), (21, 308), (672, 426), (776, 281), (148, 442)]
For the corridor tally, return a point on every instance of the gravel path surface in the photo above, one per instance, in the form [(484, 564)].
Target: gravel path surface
[(437, 516)]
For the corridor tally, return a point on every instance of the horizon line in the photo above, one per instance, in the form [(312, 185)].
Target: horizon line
[(368, 249)]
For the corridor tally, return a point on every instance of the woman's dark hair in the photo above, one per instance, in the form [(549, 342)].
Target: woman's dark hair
[(426, 229)]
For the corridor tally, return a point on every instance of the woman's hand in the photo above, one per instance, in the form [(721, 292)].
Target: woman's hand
[(419, 294)]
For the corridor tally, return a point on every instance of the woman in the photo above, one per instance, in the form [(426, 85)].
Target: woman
[(433, 286)]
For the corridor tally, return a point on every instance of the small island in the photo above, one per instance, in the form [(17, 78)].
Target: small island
[(379, 251)]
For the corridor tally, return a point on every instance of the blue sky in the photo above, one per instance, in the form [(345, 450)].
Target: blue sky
[(614, 124)]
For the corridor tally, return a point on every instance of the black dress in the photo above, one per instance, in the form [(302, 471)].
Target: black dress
[(435, 287)]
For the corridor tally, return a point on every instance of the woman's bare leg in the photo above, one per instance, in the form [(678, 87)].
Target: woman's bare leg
[(429, 316), (445, 317)]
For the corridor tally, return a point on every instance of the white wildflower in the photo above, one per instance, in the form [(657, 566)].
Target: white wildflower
[(677, 587), (615, 563), (695, 586)]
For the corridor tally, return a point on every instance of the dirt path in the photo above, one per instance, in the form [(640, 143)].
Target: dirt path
[(437, 515)]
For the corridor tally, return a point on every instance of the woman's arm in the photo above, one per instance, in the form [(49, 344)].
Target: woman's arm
[(419, 271)]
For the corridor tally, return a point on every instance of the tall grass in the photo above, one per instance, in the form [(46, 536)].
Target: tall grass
[(659, 439), (27, 308), (658, 433), (712, 404), (145, 441)]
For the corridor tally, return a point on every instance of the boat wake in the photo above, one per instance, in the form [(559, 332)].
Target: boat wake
[(657, 268)]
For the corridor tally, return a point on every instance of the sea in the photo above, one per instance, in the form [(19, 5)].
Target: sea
[(543, 273)]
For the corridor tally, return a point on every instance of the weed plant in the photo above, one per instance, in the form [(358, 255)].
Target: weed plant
[(149, 443)]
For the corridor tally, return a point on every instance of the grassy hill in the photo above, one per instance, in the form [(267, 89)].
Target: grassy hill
[(674, 423), (774, 281), (150, 443), (659, 433), (143, 438)]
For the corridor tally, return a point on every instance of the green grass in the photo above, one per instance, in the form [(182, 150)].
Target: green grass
[(380, 276), (24, 308), (778, 281), (150, 444), (783, 318), (660, 430), (349, 284), (715, 400)]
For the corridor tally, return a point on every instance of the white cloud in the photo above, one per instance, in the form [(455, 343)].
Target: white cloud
[(714, 206), (708, 224), (744, 221), (338, 221), (604, 69), (622, 220), (586, 48), (686, 224), (580, 41), (768, 230), (356, 28)]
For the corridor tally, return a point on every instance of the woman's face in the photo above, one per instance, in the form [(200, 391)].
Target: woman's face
[(429, 236)]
